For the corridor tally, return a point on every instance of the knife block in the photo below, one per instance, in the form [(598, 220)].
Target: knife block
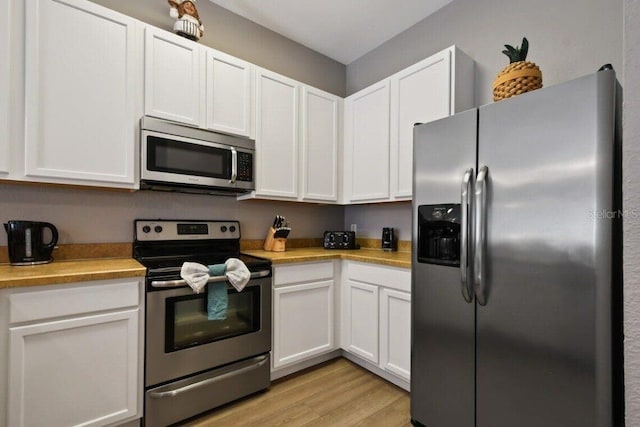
[(271, 244)]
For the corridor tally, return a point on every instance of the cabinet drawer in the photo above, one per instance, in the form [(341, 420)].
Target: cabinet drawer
[(298, 273), (81, 298), (389, 277)]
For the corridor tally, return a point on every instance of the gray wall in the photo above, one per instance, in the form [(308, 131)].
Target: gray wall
[(567, 39), (94, 216), (371, 218), (244, 39), (631, 191)]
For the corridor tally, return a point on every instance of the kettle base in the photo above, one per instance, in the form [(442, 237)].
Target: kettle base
[(25, 263)]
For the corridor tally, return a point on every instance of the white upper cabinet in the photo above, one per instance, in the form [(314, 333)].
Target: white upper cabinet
[(320, 145), (228, 94), (276, 135), (419, 94), (366, 174), (82, 77), (4, 86), (379, 124), (189, 83), (174, 79)]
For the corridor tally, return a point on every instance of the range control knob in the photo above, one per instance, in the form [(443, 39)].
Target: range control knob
[(223, 228), (158, 229), (232, 228), (146, 229)]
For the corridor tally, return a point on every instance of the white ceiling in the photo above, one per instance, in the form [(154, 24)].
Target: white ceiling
[(340, 29)]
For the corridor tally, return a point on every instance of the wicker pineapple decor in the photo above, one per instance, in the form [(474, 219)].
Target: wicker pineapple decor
[(519, 76)]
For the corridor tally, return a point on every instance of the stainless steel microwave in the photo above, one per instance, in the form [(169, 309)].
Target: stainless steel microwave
[(176, 157)]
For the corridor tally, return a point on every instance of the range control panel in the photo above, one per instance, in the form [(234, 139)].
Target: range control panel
[(157, 230)]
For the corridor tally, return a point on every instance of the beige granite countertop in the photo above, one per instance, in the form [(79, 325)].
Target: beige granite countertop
[(68, 271), (375, 256), (110, 261)]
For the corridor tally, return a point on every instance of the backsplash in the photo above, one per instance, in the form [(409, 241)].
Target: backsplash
[(97, 216), (371, 218)]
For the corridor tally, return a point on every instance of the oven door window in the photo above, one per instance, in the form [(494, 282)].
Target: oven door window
[(165, 155), (187, 324)]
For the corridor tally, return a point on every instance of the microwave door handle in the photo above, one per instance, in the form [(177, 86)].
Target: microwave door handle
[(234, 165)]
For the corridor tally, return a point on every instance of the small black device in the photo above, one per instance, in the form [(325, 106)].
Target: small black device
[(340, 240), (389, 242)]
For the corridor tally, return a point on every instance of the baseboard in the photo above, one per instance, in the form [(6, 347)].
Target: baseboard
[(288, 370), (377, 370)]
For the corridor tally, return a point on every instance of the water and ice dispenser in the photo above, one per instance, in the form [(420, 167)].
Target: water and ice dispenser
[(439, 234)]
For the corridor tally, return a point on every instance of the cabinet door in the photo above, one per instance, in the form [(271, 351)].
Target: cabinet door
[(173, 71), (228, 94), (79, 371), (302, 322), (395, 332), (320, 143), (419, 94), (276, 135), (4, 86), (320, 129), (81, 82), (362, 320), (367, 144)]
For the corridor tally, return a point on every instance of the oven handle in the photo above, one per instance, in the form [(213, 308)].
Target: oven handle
[(257, 362), (214, 279)]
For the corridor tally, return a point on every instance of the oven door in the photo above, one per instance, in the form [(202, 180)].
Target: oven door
[(181, 340), (171, 159)]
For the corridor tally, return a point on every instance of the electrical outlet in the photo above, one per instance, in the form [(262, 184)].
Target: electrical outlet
[(354, 228)]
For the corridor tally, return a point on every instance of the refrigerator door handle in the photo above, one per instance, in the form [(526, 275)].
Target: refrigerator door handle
[(479, 231), (467, 287)]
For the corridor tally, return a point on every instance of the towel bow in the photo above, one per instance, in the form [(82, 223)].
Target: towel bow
[(197, 275)]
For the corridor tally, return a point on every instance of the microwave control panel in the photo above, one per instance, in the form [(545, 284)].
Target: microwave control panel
[(245, 167)]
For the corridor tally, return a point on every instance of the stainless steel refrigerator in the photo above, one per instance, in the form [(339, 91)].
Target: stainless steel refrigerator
[(516, 263)]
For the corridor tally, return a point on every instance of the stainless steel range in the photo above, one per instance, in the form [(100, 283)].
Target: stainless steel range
[(193, 364)]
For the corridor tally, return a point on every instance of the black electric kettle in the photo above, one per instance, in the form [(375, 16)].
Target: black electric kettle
[(26, 245)]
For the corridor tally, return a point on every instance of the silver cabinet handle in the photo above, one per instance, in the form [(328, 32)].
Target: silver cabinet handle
[(480, 210), (256, 362), (213, 279), (234, 165), (467, 290)]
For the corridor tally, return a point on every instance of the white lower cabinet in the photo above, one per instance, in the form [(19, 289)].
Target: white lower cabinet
[(75, 355), (303, 312), (373, 324), (395, 332), (361, 329), (376, 315)]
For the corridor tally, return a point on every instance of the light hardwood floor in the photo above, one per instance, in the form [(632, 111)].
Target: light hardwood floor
[(336, 393)]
